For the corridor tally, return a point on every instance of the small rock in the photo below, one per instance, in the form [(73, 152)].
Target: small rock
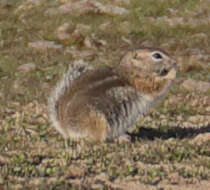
[(51, 12), (125, 27), (79, 53), (200, 36), (200, 139), (126, 40), (174, 21), (5, 4), (1, 180), (80, 31), (25, 68), (196, 119), (27, 5), (120, 2), (147, 43), (162, 116), (109, 9), (174, 178), (180, 118), (82, 28), (191, 85), (104, 26), (101, 177), (78, 8), (100, 42), (63, 32), (3, 160), (17, 87), (172, 99), (76, 171), (87, 43), (76, 181), (208, 109), (34, 2), (44, 45), (65, 8), (147, 119), (84, 7), (164, 122), (97, 186), (123, 139)]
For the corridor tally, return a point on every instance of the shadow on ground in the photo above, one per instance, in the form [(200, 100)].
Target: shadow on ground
[(172, 132)]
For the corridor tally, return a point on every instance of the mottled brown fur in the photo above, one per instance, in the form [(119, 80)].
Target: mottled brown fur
[(103, 103)]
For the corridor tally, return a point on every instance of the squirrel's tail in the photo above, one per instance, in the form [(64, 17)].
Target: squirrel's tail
[(74, 71)]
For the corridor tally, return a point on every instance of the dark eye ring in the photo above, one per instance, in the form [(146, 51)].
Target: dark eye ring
[(157, 56)]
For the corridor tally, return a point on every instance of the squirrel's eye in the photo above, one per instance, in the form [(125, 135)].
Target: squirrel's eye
[(157, 56)]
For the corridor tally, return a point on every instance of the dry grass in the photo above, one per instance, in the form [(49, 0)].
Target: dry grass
[(169, 148)]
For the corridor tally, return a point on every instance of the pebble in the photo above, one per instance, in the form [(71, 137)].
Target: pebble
[(25, 68), (44, 45), (193, 85)]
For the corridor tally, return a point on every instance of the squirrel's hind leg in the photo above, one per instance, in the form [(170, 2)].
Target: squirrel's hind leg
[(96, 125), (91, 125)]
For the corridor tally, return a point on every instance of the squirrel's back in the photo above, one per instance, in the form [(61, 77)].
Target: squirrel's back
[(102, 102), (74, 71)]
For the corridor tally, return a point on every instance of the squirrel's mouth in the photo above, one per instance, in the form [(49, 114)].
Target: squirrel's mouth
[(163, 72), (167, 73)]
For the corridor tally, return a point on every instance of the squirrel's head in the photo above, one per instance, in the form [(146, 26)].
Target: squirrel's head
[(149, 70)]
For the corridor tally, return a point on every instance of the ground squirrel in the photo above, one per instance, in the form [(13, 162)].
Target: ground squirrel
[(103, 103)]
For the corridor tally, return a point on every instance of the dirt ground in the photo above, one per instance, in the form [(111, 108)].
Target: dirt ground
[(39, 39)]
